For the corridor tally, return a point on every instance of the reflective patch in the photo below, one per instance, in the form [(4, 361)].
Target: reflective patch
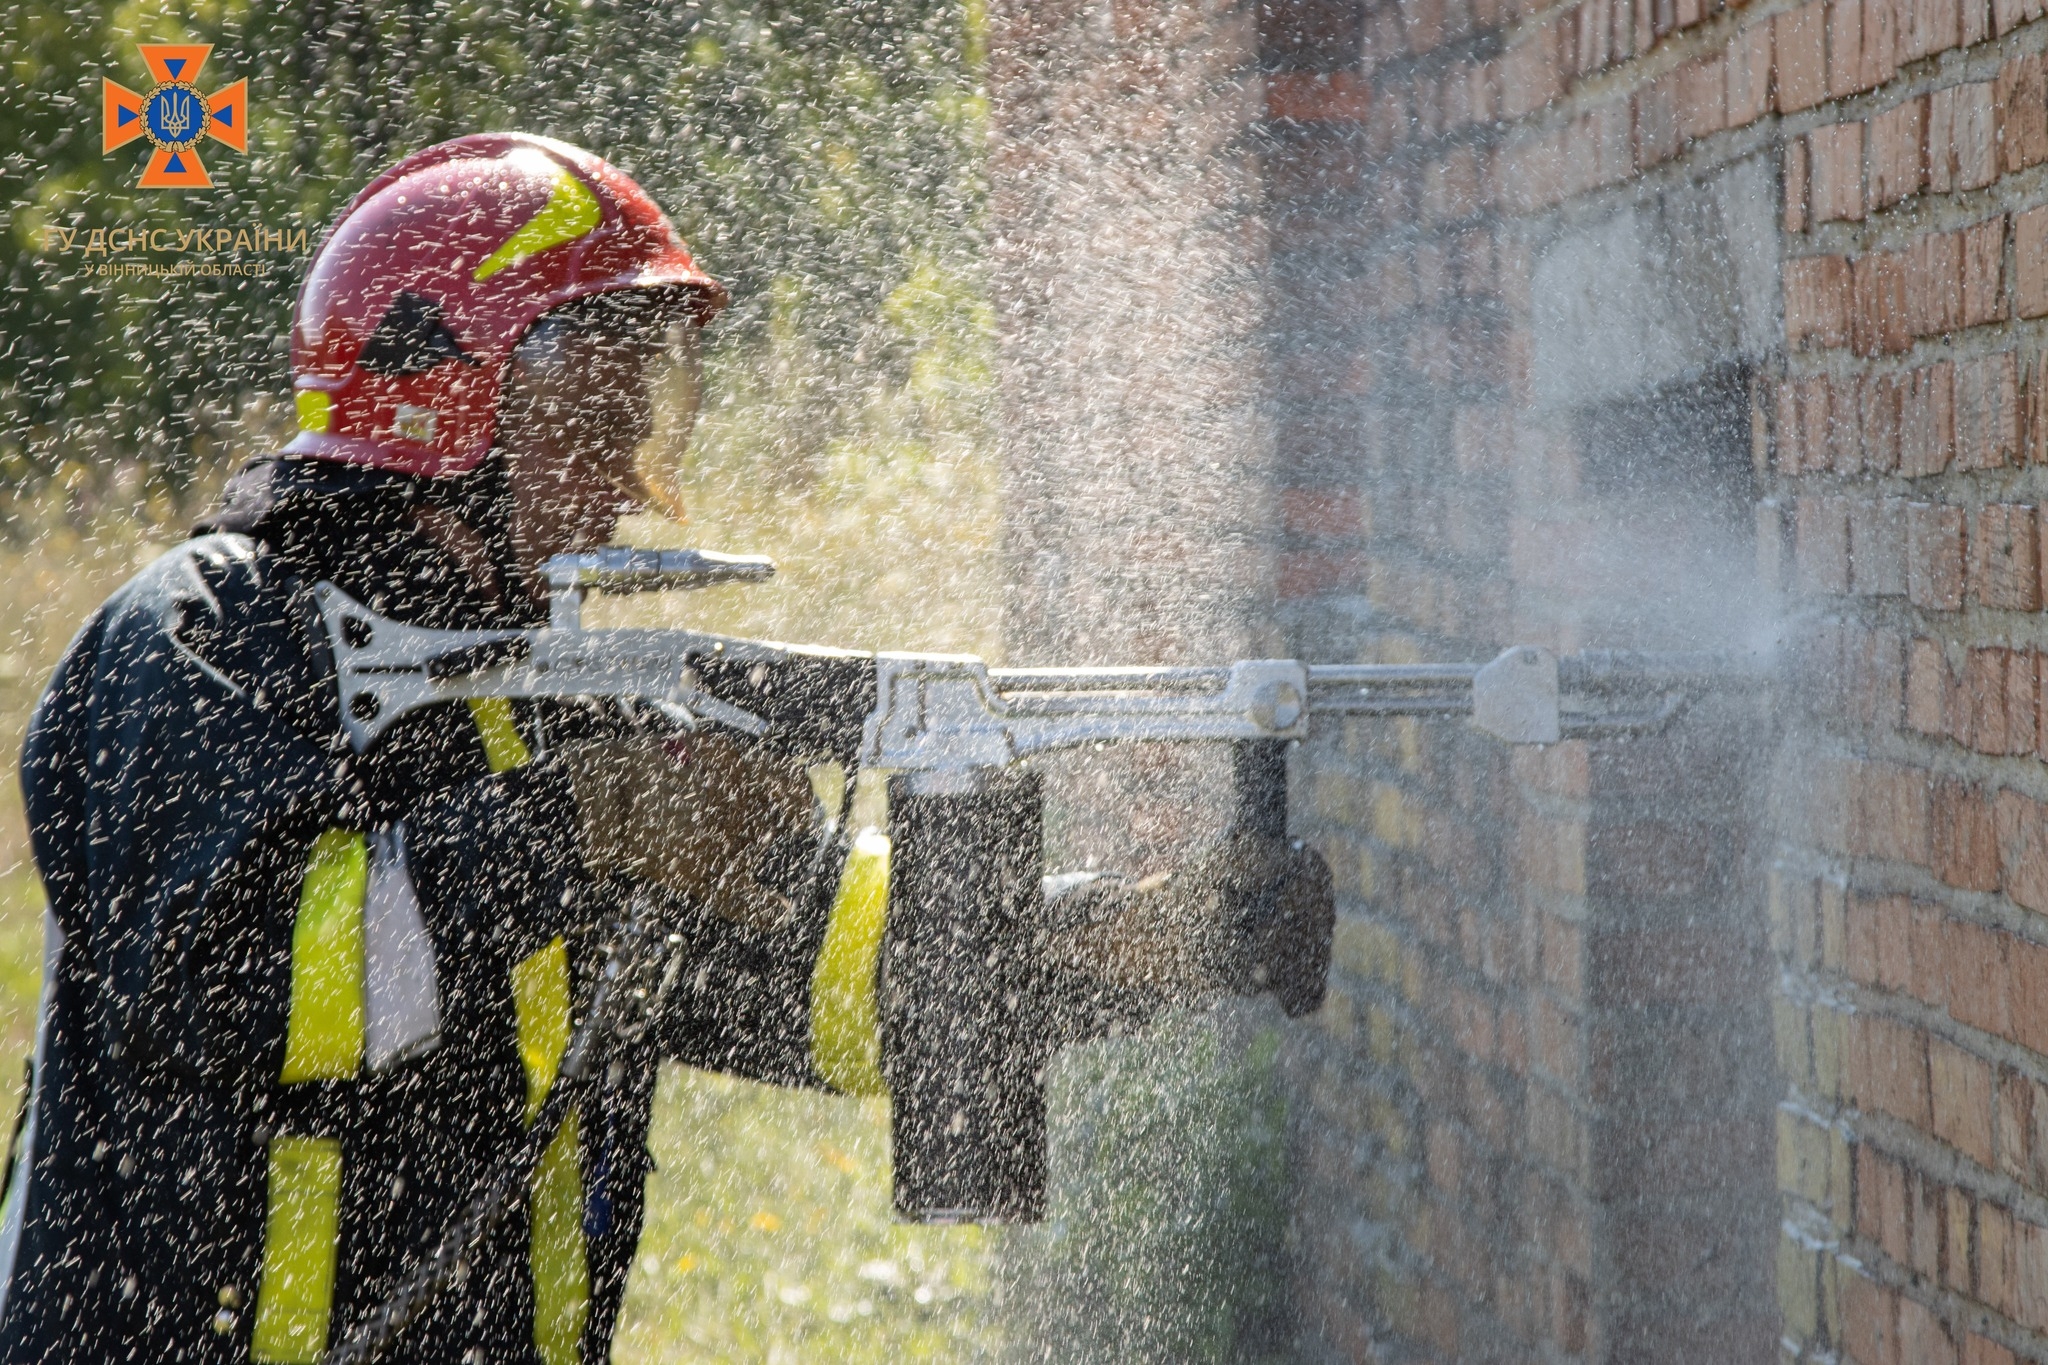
[(316, 409), (324, 1032), (504, 750), (561, 1272), (404, 998), (540, 995), (846, 1044), (572, 210), (301, 1237)]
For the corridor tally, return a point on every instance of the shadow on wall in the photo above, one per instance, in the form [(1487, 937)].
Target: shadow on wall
[(1649, 329)]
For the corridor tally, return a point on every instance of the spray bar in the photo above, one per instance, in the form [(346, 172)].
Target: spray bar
[(939, 713)]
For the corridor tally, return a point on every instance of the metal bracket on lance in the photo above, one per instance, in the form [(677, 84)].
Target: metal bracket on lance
[(623, 569)]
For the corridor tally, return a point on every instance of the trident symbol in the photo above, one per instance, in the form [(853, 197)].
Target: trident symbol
[(178, 114)]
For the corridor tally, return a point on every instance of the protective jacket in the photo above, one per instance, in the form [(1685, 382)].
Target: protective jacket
[(297, 1002)]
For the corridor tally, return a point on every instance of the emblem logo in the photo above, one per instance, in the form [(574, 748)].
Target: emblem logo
[(175, 116)]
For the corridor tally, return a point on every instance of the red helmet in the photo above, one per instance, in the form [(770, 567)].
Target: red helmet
[(421, 290)]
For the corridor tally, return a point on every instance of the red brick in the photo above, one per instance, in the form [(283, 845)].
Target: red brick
[(1922, 1338), (1892, 1075), (1898, 153), (1975, 22), (1817, 298), (1878, 422), (1995, 1276), (1927, 688), (1982, 701), (2016, 1124), (2022, 94), (1701, 96), (1880, 324), (1961, 1090), (1958, 1221), (1786, 426), (1593, 35), (2005, 560), (1962, 137), (1889, 813), (1657, 133), (2030, 260), (2030, 1273), (2022, 701), (1978, 977), (1845, 48), (1880, 42), (1863, 938), (2023, 848), (1987, 413), (1531, 74), (2034, 425), (1965, 837), (1877, 547), (1318, 96), (1324, 513), (1984, 1351), (1799, 38), (1749, 75), (1927, 963), (1881, 1216), (1924, 1200), (1837, 158), (1929, 26), (1817, 424), (1983, 297), (1821, 545), (1934, 556), (1927, 421), (2007, 15), (1889, 919), (1934, 282), (2026, 965)]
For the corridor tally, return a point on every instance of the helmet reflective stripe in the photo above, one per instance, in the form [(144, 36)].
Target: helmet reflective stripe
[(301, 1235), (324, 1031), (846, 1045), (571, 211), (556, 1255)]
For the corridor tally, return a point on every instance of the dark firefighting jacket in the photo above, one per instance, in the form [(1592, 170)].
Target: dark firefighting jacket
[(299, 1002)]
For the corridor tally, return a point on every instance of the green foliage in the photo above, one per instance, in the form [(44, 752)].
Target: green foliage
[(817, 155)]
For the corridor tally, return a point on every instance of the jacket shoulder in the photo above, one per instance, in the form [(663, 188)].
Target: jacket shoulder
[(233, 610)]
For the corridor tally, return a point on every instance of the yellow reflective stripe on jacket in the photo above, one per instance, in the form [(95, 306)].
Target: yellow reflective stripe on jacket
[(846, 1044), (301, 1236), (540, 996), (556, 1256), (324, 1030), (561, 1270), (495, 726)]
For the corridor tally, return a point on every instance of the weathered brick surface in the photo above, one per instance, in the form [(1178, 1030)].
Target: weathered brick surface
[(1552, 966)]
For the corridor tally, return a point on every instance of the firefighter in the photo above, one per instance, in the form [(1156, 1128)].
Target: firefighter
[(297, 1002)]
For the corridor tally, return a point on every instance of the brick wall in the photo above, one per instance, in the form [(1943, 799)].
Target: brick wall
[(1621, 322)]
